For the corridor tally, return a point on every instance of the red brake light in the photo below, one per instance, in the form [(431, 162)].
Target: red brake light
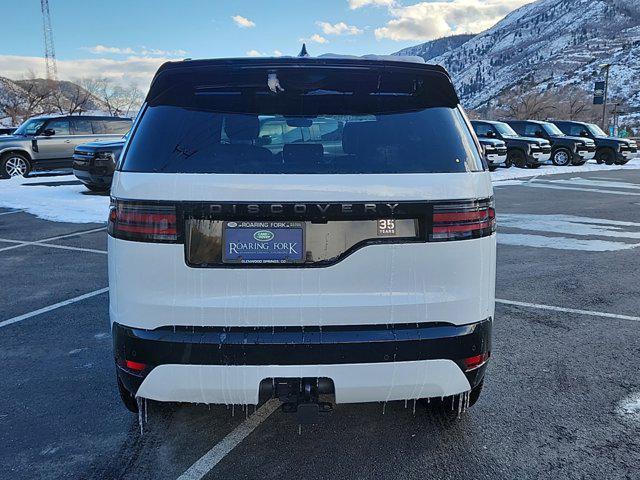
[(463, 220), (143, 222)]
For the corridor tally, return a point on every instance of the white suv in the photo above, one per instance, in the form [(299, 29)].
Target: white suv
[(294, 227)]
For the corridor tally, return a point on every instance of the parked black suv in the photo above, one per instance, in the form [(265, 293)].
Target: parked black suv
[(7, 130), (609, 150), (495, 152), (95, 162), (521, 151), (565, 150)]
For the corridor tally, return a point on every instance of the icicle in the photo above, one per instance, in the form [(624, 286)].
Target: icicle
[(233, 409), (414, 406), (146, 419), (299, 429), (140, 407), (405, 403), (384, 406)]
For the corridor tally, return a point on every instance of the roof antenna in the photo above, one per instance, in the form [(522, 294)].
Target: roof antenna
[(303, 52)]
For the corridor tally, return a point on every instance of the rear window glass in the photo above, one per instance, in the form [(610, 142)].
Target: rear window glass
[(303, 123)]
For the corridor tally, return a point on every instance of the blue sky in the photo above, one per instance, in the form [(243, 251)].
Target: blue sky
[(127, 40), (202, 28)]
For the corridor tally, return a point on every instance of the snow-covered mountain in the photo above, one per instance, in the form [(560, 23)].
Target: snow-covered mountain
[(549, 44), (435, 48)]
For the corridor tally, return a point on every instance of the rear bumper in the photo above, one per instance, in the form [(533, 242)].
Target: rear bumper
[(365, 362)]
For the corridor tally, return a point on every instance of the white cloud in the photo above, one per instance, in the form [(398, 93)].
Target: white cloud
[(101, 49), (428, 20), (168, 53), (134, 69), (243, 22), (152, 52), (258, 53), (317, 38), (339, 28), (354, 4)]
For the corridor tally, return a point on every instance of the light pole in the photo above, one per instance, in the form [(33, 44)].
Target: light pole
[(605, 67)]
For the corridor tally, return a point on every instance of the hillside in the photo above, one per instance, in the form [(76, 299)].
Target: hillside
[(435, 48), (550, 44)]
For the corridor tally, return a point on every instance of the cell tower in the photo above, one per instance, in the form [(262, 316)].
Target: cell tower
[(49, 49)]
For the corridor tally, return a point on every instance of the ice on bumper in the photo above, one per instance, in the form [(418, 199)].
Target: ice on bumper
[(354, 383)]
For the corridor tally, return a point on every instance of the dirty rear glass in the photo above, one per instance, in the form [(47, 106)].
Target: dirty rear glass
[(303, 121)]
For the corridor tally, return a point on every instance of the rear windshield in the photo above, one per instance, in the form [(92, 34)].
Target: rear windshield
[(304, 121)]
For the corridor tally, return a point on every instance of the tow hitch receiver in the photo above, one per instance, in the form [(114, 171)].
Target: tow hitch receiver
[(301, 396)]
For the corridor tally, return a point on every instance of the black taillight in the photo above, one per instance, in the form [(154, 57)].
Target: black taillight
[(142, 222), (463, 220)]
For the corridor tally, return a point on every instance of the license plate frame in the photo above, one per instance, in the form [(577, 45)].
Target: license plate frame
[(263, 242)]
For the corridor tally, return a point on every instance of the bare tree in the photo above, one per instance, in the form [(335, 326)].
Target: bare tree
[(36, 93), (118, 100), (70, 98), (25, 98), (575, 105), (529, 105), (11, 101)]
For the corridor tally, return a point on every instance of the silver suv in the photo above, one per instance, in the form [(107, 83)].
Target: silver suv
[(47, 142)]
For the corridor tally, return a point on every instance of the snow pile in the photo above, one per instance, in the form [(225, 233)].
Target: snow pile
[(53, 198), (59, 203), (630, 407)]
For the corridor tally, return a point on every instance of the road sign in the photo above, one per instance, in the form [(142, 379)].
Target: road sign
[(598, 93)]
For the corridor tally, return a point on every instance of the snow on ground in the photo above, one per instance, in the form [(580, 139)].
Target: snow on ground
[(630, 407), (72, 203), (512, 173), (60, 203)]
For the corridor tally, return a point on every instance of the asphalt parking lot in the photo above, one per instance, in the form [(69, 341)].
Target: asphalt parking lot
[(553, 404)]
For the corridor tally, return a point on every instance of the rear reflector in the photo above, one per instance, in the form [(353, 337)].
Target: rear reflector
[(143, 222), (476, 361), (135, 366), (463, 220)]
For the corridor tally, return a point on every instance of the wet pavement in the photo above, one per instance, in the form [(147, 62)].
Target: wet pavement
[(550, 407)]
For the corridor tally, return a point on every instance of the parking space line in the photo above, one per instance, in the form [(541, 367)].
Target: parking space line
[(12, 211), (19, 318), (21, 243), (568, 310), (228, 443), (551, 186), (51, 245), (67, 247)]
